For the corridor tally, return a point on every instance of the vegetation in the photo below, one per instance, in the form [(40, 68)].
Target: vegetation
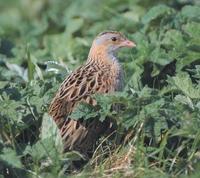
[(42, 41)]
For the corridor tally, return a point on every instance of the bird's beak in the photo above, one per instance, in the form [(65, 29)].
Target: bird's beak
[(127, 43)]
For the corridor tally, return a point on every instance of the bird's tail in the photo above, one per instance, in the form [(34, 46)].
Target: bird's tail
[(82, 135)]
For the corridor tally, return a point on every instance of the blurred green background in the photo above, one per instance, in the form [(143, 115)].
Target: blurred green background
[(41, 41)]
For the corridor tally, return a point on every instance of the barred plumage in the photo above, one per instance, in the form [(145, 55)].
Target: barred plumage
[(101, 74)]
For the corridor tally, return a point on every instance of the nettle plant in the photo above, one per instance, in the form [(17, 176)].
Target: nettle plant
[(159, 117)]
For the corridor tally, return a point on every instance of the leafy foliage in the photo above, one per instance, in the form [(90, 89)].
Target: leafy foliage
[(159, 117)]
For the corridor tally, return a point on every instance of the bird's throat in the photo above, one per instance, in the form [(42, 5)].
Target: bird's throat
[(108, 62), (101, 55)]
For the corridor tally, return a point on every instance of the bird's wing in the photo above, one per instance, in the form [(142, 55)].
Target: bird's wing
[(78, 86)]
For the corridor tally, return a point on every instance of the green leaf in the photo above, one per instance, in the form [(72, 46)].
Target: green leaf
[(192, 29), (85, 111), (187, 59), (9, 156), (10, 109), (159, 56), (9, 20), (31, 66), (3, 84), (196, 72), (185, 100), (183, 83), (75, 25), (49, 130), (174, 39), (191, 12), (59, 45), (155, 12), (43, 149)]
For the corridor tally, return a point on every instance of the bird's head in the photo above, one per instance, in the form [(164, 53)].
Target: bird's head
[(109, 42)]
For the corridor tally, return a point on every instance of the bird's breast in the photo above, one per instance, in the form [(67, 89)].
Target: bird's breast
[(113, 74)]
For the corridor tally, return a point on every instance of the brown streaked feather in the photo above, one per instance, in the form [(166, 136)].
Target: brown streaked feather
[(79, 87), (79, 84), (101, 74)]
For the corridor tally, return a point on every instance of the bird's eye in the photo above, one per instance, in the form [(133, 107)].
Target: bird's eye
[(114, 39)]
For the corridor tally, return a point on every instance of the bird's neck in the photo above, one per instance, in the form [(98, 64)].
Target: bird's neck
[(109, 63), (101, 56)]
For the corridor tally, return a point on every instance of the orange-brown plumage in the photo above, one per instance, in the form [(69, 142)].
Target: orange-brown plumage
[(101, 74)]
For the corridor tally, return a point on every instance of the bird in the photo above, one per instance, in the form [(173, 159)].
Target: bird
[(101, 74)]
